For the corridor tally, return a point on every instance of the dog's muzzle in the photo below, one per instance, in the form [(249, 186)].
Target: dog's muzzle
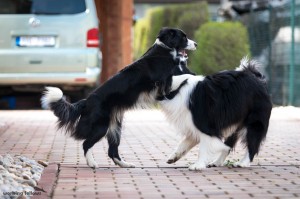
[(191, 45)]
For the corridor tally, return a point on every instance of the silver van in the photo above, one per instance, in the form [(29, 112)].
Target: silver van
[(49, 42)]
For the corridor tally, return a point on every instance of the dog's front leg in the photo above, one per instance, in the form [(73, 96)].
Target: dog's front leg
[(202, 158), (185, 145)]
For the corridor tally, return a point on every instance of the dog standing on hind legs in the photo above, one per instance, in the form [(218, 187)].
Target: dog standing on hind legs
[(101, 113)]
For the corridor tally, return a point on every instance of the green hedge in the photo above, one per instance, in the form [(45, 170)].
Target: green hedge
[(220, 46), (140, 37), (188, 17)]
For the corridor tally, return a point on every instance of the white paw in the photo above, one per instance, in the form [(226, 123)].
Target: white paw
[(90, 159), (92, 164), (128, 165), (123, 164), (245, 162), (216, 164), (219, 164), (241, 164), (197, 167)]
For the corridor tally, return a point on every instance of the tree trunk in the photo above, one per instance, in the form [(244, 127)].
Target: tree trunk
[(115, 35)]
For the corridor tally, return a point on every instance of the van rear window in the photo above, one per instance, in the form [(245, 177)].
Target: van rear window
[(42, 7)]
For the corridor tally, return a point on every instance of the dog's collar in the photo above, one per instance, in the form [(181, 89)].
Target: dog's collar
[(158, 42)]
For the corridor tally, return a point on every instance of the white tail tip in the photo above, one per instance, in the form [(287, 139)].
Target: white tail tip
[(245, 62), (51, 94)]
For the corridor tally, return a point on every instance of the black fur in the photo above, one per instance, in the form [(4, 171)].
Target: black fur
[(102, 112)]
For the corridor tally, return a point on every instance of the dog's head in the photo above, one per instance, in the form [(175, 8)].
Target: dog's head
[(173, 38)]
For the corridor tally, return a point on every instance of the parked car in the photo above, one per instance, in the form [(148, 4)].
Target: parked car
[(49, 43)]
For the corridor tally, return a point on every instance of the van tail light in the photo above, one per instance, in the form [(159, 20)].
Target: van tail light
[(93, 38)]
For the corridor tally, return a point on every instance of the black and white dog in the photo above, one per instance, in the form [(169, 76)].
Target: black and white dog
[(226, 106), (101, 114)]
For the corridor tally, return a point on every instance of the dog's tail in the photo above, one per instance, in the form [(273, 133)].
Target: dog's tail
[(68, 114), (252, 66)]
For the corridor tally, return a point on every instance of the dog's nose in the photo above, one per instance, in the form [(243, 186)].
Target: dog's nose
[(195, 44)]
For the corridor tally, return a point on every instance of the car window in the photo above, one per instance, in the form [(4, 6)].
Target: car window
[(42, 7)]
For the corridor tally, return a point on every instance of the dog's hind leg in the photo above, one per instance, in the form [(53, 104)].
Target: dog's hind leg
[(98, 133), (256, 133), (220, 160), (114, 138), (90, 159), (210, 149), (185, 146), (230, 142)]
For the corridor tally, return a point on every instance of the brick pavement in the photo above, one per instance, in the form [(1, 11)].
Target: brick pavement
[(147, 141)]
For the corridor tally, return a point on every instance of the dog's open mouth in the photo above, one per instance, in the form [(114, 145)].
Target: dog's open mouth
[(182, 53)]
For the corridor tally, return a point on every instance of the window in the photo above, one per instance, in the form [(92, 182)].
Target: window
[(42, 7)]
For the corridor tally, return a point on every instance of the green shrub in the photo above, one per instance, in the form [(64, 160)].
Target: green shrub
[(146, 28), (188, 17), (155, 17), (220, 46), (140, 37), (196, 16)]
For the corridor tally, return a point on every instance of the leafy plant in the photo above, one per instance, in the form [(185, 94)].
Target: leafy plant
[(221, 45), (230, 163), (140, 37), (188, 17)]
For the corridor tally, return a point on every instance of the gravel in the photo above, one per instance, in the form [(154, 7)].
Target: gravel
[(19, 176)]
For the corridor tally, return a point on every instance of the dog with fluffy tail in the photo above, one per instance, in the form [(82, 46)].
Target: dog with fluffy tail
[(216, 111), (101, 113)]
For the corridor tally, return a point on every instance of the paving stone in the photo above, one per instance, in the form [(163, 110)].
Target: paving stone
[(147, 141)]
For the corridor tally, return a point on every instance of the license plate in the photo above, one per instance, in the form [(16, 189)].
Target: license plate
[(35, 41)]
